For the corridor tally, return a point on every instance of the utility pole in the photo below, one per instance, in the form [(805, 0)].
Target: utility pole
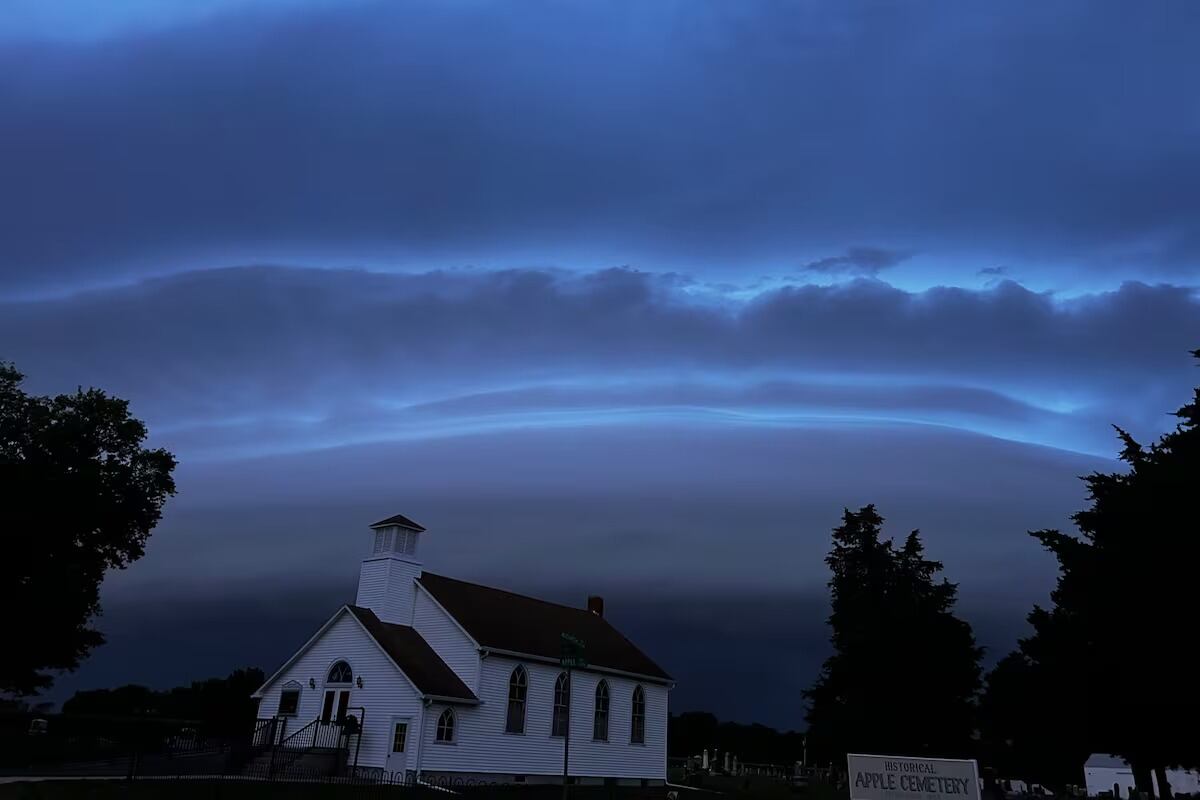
[(572, 657), (567, 739)]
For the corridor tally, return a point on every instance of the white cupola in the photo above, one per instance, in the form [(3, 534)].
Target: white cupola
[(387, 580)]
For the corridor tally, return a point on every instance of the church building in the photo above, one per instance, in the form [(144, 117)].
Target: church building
[(448, 680)]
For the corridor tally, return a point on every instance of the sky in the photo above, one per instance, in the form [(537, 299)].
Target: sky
[(624, 298)]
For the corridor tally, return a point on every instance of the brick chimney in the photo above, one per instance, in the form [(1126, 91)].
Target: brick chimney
[(596, 604)]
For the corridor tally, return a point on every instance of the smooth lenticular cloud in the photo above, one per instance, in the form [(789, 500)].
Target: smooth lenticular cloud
[(247, 361)]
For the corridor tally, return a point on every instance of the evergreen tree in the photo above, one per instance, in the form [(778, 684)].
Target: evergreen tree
[(1110, 660), (904, 670), (1033, 723)]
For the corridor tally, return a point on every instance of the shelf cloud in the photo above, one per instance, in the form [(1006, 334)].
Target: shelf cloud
[(349, 259), (253, 359)]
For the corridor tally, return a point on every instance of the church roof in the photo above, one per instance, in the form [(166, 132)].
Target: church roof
[(423, 666), (400, 520), (506, 621)]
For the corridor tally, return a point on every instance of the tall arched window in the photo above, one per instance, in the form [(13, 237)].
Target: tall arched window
[(637, 724), (518, 683), (562, 706), (340, 673), (445, 726), (600, 720)]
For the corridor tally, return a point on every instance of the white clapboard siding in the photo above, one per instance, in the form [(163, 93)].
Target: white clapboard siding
[(385, 585), (447, 639), (385, 693), (482, 746)]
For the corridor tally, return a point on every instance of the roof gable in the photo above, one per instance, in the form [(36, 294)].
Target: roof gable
[(507, 621), (301, 651), (415, 658), (407, 650)]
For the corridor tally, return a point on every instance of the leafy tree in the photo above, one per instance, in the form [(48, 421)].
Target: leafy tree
[(1110, 660), (79, 496), (904, 670)]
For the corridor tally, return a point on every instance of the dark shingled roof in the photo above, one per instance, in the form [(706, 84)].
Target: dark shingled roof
[(401, 520), (506, 621), (420, 663)]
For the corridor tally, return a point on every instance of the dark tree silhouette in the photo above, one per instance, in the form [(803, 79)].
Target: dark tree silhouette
[(905, 670), (1033, 725), (79, 496), (693, 731), (224, 703), (1110, 661)]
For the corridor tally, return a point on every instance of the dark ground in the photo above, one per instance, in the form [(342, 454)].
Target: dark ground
[(144, 789)]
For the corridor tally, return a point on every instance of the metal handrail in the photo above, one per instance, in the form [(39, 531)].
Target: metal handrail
[(329, 735), (292, 747), (316, 735), (297, 739), (266, 732)]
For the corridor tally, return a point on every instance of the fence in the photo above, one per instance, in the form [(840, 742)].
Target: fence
[(106, 758)]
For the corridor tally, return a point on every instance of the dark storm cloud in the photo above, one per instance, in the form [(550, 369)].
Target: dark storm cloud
[(859, 261), (270, 358), (706, 543), (777, 640), (714, 507), (706, 134), (267, 322), (722, 650), (681, 442)]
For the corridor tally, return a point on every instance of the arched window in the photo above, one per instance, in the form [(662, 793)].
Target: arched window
[(600, 720), (445, 726), (562, 706), (637, 724), (340, 673), (518, 683)]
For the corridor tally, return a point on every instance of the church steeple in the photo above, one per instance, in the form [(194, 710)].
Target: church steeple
[(386, 580), (397, 535)]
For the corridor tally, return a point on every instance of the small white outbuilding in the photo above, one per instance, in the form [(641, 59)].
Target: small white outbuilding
[(1103, 773)]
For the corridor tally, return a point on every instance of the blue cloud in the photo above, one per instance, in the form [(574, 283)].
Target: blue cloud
[(729, 141), (537, 402), (266, 359)]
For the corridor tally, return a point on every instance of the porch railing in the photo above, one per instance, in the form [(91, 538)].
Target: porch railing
[(318, 736), (268, 732)]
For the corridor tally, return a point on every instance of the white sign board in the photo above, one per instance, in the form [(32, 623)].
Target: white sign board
[(904, 778)]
